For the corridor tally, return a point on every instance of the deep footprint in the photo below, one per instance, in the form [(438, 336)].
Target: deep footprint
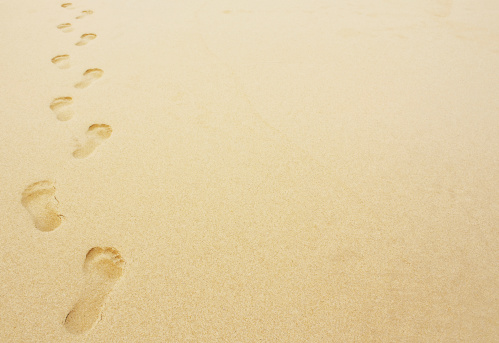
[(103, 267), (61, 61), (62, 108), (96, 135), (84, 14), (85, 38), (66, 27), (89, 76), (39, 199)]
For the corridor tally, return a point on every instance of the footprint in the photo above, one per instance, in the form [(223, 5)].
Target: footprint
[(89, 76), (66, 27), (67, 5), (84, 14), (96, 135), (61, 61), (85, 38), (103, 267), (40, 201), (62, 107)]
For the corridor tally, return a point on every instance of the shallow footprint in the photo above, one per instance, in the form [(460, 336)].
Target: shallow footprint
[(66, 27), (84, 14), (441, 8), (62, 107), (85, 38), (61, 61), (67, 5), (89, 76), (39, 199), (96, 135), (103, 268)]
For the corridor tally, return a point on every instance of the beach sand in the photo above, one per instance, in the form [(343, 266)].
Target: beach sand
[(249, 171)]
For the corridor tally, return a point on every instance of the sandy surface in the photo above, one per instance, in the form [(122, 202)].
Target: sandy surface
[(249, 171)]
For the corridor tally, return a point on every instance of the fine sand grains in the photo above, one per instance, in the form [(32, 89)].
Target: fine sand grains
[(103, 267)]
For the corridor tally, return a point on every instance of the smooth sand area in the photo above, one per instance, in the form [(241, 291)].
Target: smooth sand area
[(249, 171)]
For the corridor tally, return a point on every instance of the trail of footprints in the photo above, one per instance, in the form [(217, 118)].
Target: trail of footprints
[(102, 267)]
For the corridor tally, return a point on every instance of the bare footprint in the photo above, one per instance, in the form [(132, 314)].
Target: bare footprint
[(61, 61), (40, 201), (89, 76), (62, 107), (84, 14), (96, 135), (103, 267), (66, 27), (67, 5), (85, 38)]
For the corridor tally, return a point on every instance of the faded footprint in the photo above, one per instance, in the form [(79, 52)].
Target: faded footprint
[(84, 14), (440, 8), (66, 27), (61, 61), (96, 135), (85, 38), (40, 201), (103, 268), (62, 107), (89, 76), (67, 5)]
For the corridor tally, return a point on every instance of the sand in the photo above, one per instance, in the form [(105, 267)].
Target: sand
[(249, 171)]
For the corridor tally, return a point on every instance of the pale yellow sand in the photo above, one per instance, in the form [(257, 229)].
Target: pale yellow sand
[(278, 171)]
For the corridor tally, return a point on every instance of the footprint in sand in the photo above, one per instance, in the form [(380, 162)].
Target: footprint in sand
[(66, 27), (84, 14), (85, 38), (89, 76), (67, 5), (96, 135), (61, 61), (103, 267), (40, 201), (62, 107)]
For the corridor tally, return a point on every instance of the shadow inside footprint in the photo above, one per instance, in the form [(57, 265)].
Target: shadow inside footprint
[(103, 267), (96, 135), (62, 108), (85, 38), (39, 199), (66, 27), (89, 76), (61, 61), (84, 14)]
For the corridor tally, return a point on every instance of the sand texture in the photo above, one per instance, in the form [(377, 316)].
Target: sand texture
[(249, 171)]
